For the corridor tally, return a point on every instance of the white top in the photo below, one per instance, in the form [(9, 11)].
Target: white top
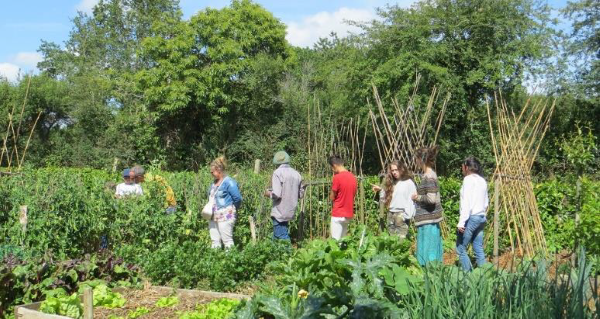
[(124, 189), (473, 198), (401, 198)]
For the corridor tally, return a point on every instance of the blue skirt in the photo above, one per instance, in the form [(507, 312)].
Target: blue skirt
[(429, 244)]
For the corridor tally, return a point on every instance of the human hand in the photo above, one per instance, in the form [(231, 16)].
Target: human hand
[(267, 193), (414, 197), (461, 230), (376, 188)]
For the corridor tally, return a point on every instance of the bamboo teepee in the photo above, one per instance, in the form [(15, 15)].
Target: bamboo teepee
[(12, 138), (516, 139), (408, 128)]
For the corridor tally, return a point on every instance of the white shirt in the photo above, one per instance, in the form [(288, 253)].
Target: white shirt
[(125, 189), (473, 198), (401, 198)]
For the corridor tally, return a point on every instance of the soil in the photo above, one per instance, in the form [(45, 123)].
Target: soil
[(147, 298)]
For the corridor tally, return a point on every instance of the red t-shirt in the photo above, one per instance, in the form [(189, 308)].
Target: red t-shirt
[(344, 184)]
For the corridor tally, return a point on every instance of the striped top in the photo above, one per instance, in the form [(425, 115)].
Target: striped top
[(428, 204)]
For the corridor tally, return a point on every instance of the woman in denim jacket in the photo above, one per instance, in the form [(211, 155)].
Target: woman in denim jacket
[(227, 199)]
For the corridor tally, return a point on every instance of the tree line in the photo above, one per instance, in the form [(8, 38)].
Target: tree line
[(136, 81)]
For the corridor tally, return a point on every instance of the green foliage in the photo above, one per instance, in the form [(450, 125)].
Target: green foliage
[(588, 230), (69, 306), (530, 291), (138, 312), (199, 266), (168, 301), (343, 278), (580, 151), (58, 302), (378, 287), (220, 308), (105, 297), (36, 278)]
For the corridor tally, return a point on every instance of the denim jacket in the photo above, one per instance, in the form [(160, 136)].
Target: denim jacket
[(228, 193)]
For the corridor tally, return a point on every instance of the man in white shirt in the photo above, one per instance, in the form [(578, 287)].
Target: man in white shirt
[(473, 206), (128, 187)]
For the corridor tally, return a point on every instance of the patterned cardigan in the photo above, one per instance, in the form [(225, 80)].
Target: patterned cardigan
[(428, 204)]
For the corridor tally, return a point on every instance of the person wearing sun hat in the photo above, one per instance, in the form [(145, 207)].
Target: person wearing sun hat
[(286, 189)]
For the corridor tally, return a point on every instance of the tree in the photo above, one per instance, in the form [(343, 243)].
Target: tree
[(214, 77)]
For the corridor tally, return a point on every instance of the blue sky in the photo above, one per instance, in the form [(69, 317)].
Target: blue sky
[(24, 23)]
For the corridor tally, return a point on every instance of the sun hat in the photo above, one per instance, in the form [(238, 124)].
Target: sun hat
[(281, 157)]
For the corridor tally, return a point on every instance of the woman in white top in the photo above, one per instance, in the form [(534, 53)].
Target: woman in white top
[(396, 192), (473, 206)]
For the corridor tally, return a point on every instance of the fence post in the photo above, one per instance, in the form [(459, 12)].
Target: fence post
[(256, 166), (88, 303), (362, 200), (115, 163), (252, 228), (496, 217), (23, 217)]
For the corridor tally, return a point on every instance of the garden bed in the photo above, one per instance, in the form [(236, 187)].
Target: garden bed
[(141, 303)]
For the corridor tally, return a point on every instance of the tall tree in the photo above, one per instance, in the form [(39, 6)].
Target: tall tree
[(214, 76)]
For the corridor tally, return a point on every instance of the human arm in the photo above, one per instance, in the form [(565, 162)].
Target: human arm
[(276, 187), (465, 204), (302, 189), (335, 187), (234, 192), (430, 185), (410, 210), (118, 192)]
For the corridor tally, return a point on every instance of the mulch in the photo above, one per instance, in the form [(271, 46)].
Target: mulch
[(147, 298)]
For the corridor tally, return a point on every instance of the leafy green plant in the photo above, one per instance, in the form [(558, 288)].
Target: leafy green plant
[(166, 302), (105, 297), (138, 312), (63, 305), (220, 308)]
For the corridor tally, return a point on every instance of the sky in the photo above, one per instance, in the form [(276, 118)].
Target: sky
[(25, 23)]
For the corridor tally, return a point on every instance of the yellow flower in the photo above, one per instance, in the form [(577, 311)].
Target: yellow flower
[(302, 294)]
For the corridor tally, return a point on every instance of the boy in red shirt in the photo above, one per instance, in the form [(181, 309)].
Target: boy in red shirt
[(342, 194)]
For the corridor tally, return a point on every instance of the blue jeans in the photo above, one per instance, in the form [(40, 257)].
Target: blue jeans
[(473, 234), (280, 229)]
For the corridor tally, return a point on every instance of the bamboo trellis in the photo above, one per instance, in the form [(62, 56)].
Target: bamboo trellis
[(10, 142), (516, 139), (324, 139), (408, 128)]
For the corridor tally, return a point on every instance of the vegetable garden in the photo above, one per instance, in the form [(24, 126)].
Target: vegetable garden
[(370, 272)]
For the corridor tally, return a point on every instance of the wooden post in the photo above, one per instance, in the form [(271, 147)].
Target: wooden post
[(88, 303), (382, 218), (23, 217), (256, 166), (115, 163), (496, 218), (301, 219), (362, 200), (252, 228)]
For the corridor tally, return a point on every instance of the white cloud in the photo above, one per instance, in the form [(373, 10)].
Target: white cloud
[(86, 5), (311, 28), (9, 71), (28, 59)]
